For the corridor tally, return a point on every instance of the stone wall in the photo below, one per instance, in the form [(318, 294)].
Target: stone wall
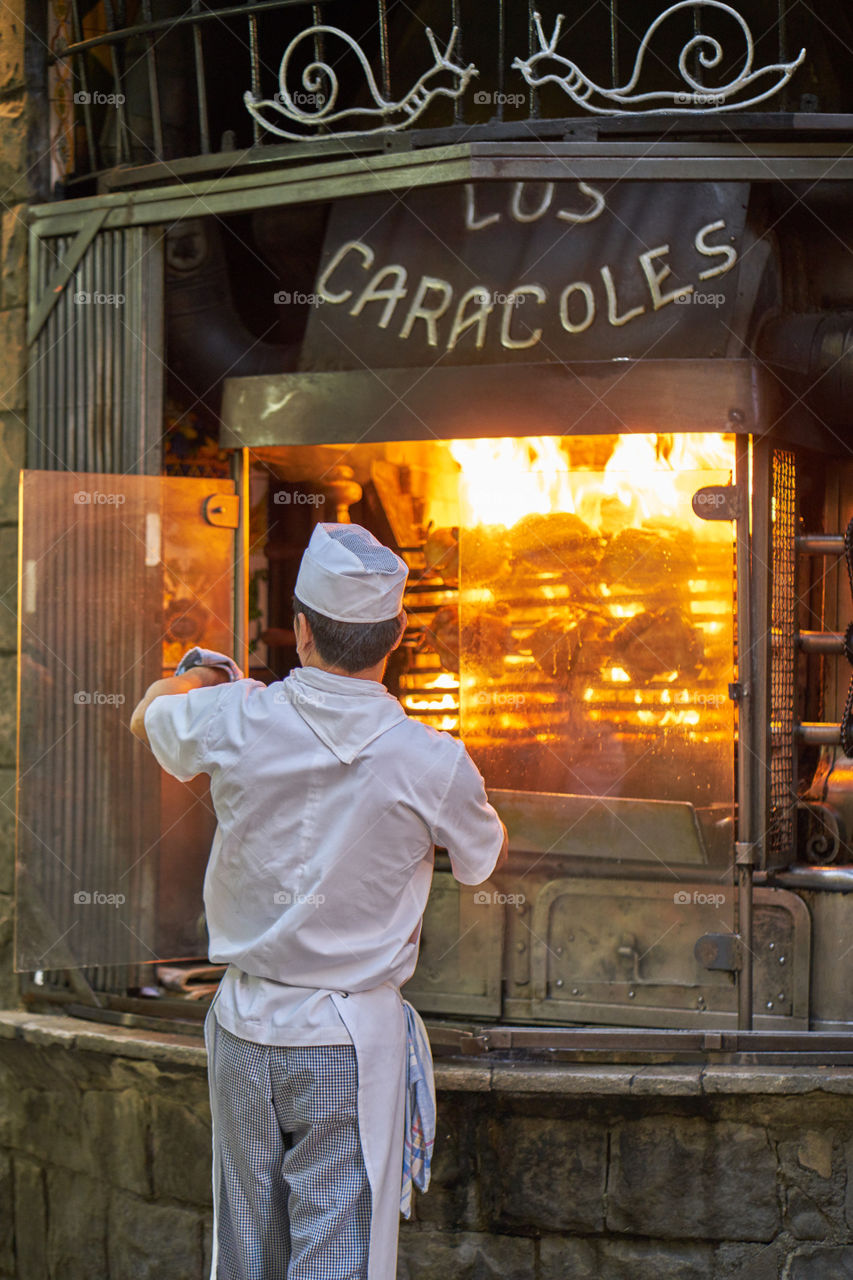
[(20, 168), (559, 1173)]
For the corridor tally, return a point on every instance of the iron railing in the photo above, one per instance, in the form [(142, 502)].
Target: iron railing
[(171, 84)]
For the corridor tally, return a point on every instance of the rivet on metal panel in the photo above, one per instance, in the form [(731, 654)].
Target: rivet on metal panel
[(559, 982)]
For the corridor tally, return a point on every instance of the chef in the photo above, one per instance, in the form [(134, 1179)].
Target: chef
[(329, 802)]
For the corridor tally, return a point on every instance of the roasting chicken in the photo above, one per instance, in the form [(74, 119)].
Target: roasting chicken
[(484, 638), (655, 642)]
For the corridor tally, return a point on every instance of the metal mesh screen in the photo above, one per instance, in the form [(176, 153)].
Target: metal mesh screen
[(783, 619)]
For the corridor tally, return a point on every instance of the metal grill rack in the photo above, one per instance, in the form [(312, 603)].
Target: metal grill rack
[(783, 615)]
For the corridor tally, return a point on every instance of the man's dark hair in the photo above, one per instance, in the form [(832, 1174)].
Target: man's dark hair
[(352, 646)]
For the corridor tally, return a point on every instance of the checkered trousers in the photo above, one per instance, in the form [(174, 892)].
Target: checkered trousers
[(292, 1195)]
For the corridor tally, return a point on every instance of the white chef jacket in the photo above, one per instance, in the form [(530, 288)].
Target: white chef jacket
[(329, 801)]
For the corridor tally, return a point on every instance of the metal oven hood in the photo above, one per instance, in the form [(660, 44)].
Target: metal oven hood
[(594, 398)]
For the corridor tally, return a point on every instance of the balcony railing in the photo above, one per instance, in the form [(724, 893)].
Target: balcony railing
[(164, 80)]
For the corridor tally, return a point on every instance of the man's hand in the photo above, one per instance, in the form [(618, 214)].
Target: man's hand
[(195, 678)]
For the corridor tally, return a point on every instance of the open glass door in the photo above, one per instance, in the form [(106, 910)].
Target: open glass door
[(119, 575)]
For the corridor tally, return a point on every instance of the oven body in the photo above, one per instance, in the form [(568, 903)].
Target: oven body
[(640, 643)]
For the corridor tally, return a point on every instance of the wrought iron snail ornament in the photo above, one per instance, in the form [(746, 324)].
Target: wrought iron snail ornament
[(320, 91), (547, 66)]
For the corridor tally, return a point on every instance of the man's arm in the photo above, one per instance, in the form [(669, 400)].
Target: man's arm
[(195, 678)]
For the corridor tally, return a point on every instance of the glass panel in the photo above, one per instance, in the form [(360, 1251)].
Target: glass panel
[(596, 627), (119, 575)]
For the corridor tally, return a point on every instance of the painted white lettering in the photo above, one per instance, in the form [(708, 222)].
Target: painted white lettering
[(516, 295), (472, 222), (714, 251), (612, 302), (429, 315), (390, 295), (657, 275), (591, 214), (479, 316), (519, 214), (577, 286), (351, 246)]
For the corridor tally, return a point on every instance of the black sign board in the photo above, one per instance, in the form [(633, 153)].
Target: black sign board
[(498, 272)]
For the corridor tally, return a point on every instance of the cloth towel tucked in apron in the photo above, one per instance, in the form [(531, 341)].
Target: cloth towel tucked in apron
[(419, 1130)]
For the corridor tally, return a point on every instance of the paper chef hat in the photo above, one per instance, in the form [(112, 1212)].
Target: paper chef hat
[(349, 575)]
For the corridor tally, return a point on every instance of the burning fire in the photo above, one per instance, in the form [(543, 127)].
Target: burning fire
[(645, 476)]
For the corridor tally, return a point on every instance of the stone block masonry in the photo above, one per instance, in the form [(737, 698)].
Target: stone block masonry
[(555, 1173), (23, 114)]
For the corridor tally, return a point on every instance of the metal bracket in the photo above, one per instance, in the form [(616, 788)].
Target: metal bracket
[(747, 854), (720, 951), (718, 502), (222, 510)]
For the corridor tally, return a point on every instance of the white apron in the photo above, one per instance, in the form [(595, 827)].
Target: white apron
[(376, 1020)]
